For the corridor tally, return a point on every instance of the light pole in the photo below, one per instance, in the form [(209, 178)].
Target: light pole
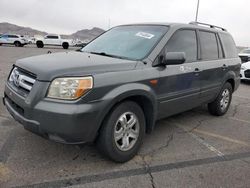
[(197, 11), (109, 24)]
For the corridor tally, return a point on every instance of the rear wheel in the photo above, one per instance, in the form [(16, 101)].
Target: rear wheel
[(17, 44), (39, 44), (65, 45), (122, 132), (221, 104)]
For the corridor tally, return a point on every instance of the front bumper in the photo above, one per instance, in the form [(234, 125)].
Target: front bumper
[(62, 122), (245, 74)]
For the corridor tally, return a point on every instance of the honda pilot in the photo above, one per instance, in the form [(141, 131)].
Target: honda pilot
[(112, 91)]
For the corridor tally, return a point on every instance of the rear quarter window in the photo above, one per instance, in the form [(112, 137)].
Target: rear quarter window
[(228, 45)]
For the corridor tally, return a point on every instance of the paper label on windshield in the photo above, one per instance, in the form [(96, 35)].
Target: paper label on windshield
[(144, 35)]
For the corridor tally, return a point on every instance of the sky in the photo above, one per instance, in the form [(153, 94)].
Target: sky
[(68, 16)]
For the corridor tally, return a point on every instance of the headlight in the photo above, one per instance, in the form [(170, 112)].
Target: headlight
[(70, 88)]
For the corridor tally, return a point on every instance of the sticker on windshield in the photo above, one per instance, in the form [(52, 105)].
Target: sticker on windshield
[(144, 35)]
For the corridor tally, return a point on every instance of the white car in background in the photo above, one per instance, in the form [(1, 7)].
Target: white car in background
[(16, 40), (245, 55), (54, 40), (245, 71)]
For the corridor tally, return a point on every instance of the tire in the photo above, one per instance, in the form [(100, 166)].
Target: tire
[(116, 149), (17, 44), (221, 104), (39, 44), (65, 45)]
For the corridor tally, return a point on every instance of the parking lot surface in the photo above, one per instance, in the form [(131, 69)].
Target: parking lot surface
[(192, 149)]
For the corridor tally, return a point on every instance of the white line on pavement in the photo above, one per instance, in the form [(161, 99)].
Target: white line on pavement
[(207, 145)]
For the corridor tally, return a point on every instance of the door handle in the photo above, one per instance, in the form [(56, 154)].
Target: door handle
[(224, 66), (197, 71)]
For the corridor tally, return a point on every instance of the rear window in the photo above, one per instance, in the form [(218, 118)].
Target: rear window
[(228, 45), (209, 47), (52, 37)]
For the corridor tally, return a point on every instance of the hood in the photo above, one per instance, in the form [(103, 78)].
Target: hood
[(246, 65), (49, 66)]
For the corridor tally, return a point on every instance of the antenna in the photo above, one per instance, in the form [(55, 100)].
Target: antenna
[(197, 11)]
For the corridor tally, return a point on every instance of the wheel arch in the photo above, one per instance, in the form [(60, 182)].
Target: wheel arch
[(39, 41), (143, 97), (230, 78), (17, 41)]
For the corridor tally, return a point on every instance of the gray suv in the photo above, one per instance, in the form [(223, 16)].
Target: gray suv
[(113, 90)]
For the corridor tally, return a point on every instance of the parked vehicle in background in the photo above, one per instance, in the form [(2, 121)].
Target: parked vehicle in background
[(30, 40), (54, 40), (113, 90), (16, 40), (245, 55), (245, 71)]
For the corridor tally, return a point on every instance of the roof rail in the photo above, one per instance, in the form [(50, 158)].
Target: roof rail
[(209, 25)]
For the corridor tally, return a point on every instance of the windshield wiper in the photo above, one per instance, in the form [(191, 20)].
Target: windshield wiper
[(107, 55)]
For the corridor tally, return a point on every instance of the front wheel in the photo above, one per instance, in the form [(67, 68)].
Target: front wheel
[(221, 104), (122, 132)]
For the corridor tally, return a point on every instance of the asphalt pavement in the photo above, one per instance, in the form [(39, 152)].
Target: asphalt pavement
[(191, 149)]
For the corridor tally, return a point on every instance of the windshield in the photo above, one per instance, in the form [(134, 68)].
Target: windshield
[(129, 42), (247, 51)]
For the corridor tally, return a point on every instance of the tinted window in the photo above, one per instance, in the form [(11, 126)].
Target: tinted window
[(209, 48), (12, 36), (228, 45), (247, 51), (52, 37), (184, 41)]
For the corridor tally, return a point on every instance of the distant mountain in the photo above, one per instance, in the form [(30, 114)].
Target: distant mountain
[(88, 34), (85, 34), (15, 29)]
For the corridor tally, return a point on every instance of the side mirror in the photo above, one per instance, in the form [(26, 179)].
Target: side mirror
[(174, 58)]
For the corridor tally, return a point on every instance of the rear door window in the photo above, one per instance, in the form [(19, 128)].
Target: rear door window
[(184, 41), (209, 47)]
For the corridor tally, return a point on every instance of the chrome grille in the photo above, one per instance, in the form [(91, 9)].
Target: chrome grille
[(21, 81)]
